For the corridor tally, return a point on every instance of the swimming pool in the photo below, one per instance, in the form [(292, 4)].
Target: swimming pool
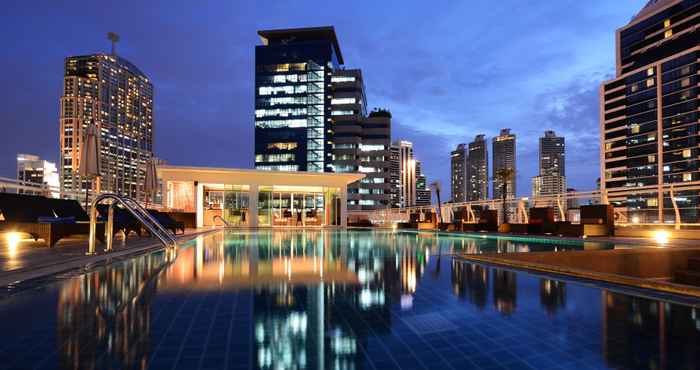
[(321, 299)]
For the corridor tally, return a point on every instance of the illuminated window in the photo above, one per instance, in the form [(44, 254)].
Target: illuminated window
[(634, 128), (650, 71), (634, 88), (342, 113), (343, 79), (651, 137), (685, 82), (650, 82), (283, 157), (652, 202), (282, 146), (667, 23), (651, 159), (343, 101), (686, 153), (668, 34), (608, 146), (687, 176)]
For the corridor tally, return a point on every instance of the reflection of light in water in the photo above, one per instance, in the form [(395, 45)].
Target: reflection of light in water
[(406, 302), (369, 298), (13, 240)]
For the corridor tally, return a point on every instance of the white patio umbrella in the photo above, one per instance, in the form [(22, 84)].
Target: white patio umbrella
[(150, 185), (89, 166)]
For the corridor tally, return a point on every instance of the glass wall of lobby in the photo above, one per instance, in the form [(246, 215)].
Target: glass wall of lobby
[(278, 206), (298, 206)]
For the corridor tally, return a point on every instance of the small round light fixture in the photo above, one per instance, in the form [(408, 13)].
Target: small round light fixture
[(661, 236)]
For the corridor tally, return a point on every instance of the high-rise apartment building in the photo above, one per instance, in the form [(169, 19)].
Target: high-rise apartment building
[(32, 170), (361, 142), (403, 168), (293, 101), (504, 158), (649, 123), (112, 93), (552, 176), (478, 170), (458, 173), (423, 192)]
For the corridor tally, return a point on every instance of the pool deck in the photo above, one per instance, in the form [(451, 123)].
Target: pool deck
[(32, 260)]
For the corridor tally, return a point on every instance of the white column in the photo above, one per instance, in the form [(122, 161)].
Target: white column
[(344, 206), (199, 204), (253, 206)]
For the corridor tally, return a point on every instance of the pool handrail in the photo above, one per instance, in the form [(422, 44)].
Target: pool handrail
[(140, 213)]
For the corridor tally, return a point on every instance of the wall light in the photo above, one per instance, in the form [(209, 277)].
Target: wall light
[(661, 236), (635, 220)]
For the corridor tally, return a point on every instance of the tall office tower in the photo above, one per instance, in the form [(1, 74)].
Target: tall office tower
[(293, 101), (403, 168), (32, 170), (478, 170), (458, 173), (423, 192), (361, 142), (114, 94), (552, 177), (504, 157), (649, 113)]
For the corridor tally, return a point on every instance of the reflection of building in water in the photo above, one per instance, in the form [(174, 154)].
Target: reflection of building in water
[(313, 291), (504, 291), (108, 312), (639, 333), (552, 295), (470, 281)]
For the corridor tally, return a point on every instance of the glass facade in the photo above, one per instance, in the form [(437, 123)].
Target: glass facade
[(292, 71)]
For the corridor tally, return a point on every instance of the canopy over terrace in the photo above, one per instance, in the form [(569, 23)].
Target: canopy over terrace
[(252, 198)]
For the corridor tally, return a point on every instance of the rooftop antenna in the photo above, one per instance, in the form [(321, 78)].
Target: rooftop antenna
[(114, 38)]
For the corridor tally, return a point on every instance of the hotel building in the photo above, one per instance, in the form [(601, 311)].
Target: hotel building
[(478, 170), (458, 173), (504, 157), (552, 176), (117, 97), (649, 114)]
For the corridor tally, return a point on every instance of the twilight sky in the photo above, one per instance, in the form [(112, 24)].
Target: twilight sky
[(447, 71)]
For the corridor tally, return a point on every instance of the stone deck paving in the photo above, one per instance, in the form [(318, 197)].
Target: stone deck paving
[(29, 259)]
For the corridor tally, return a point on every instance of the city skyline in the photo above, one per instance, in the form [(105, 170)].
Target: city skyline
[(189, 66)]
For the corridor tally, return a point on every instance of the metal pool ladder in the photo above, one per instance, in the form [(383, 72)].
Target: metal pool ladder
[(222, 220), (140, 213)]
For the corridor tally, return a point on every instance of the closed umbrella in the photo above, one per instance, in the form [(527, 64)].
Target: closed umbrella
[(150, 185), (89, 166)]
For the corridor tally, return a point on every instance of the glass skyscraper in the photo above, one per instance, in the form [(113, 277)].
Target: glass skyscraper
[(649, 114), (293, 71)]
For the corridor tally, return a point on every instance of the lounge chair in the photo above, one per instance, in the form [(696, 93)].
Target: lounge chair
[(124, 221), (167, 222), (44, 218)]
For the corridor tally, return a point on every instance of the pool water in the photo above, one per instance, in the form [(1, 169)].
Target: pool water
[(321, 299)]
